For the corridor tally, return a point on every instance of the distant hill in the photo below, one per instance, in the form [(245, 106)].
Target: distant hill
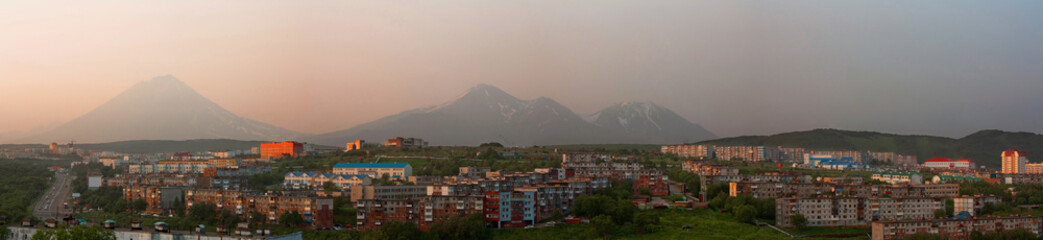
[(169, 146), (163, 108), (983, 147), (488, 114)]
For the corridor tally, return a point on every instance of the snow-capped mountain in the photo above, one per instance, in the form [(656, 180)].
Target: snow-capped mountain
[(647, 122), (486, 113), (163, 108)]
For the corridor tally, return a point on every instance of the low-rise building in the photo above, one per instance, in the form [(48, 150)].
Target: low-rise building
[(972, 205), (400, 171), (853, 211), (953, 228), (704, 168), (387, 192), (893, 177)]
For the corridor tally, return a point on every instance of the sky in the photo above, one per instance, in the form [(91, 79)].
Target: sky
[(945, 68)]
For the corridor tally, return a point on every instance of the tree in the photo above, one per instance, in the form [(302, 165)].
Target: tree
[(602, 226), (328, 186), (75, 233), (4, 232), (139, 204), (491, 144), (745, 213), (179, 207), (396, 231), (291, 219), (203, 212), (646, 221), (950, 206), (229, 219), (461, 227), (939, 213), (798, 221), (257, 218)]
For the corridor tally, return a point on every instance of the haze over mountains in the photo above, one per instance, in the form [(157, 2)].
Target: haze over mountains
[(163, 108), (486, 113)]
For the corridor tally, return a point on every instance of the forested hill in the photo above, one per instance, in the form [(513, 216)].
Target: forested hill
[(984, 147)]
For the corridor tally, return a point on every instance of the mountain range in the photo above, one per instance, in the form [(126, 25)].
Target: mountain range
[(488, 114), (165, 108), (984, 147)]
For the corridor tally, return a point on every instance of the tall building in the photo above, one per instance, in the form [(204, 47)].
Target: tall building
[(686, 150), (356, 145), (1014, 161), (375, 170), (278, 150)]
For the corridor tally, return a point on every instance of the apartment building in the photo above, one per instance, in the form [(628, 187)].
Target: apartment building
[(805, 190), (747, 153), (315, 180), (853, 211), (405, 142), (791, 154), (1020, 178), (373, 213), (314, 209), (953, 228), (434, 209), (945, 163), (972, 205), (689, 151), (1013, 162), (387, 192), (893, 177), (704, 168), (510, 209), (375, 170), (657, 184), (160, 199)]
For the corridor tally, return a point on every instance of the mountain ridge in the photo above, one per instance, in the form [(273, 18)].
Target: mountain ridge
[(485, 113)]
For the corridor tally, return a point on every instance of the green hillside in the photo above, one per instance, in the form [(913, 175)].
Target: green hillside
[(983, 147)]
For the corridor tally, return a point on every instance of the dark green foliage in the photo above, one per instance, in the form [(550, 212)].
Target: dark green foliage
[(646, 221), (491, 144), (179, 207), (596, 205), (229, 219), (21, 183), (939, 213), (396, 231), (745, 213), (139, 204), (203, 212), (262, 181), (75, 233), (798, 220), (291, 219), (690, 180), (712, 191), (461, 227), (602, 226), (257, 218)]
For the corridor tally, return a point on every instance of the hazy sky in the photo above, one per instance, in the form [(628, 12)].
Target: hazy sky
[(736, 67)]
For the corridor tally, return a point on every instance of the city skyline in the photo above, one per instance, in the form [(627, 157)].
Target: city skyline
[(736, 68)]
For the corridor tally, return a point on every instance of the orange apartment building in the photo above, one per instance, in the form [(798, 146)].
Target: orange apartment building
[(283, 149)]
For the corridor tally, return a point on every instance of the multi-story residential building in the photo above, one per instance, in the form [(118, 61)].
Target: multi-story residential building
[(282, 149), (945, 163), (747, 153), (855, 156), (314, 209), (405, 142), (473, 172), (510, 209), (1033, 168), (954, 179), (785, 177), (953, 228), (806, 190), (972, 205), (373, 213), (893, 177), (851, 211), (434, 209), (222, 162), (315, 180), (840, 180), (1020, 178), (387, 192), (159, 199), (657, 184), (400, 171), (1013, 161), (156, 180), (688, 150), (791, 154), (594, 164), (703, 168)]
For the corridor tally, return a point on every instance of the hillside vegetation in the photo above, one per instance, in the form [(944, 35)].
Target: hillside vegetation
[(983, 147)]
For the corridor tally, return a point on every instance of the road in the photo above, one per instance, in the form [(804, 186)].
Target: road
[(52, 204)]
